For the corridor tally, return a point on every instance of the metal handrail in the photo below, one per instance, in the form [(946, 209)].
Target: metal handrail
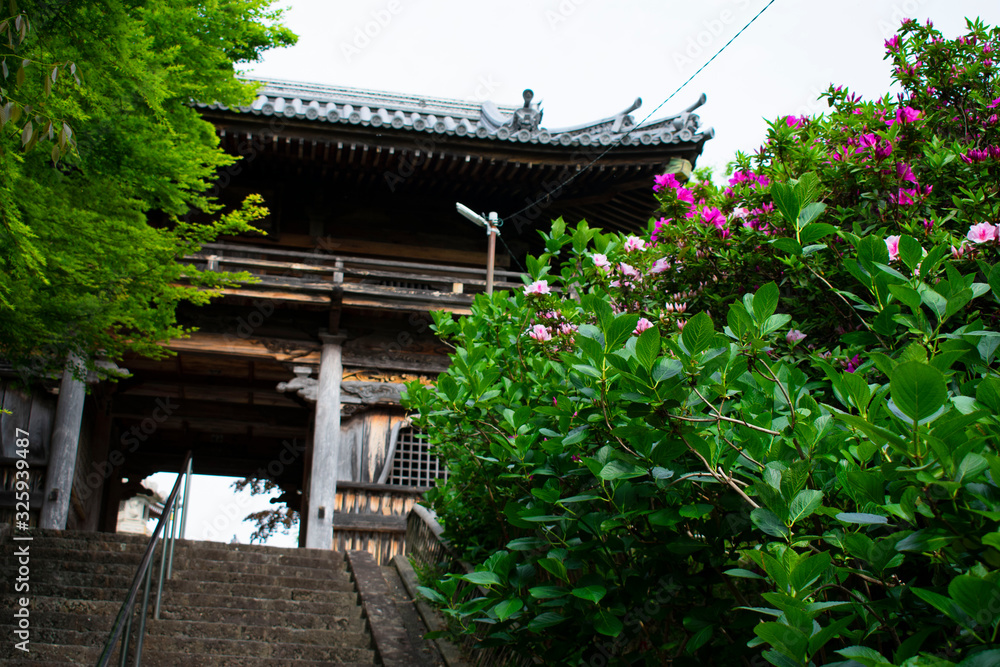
[(143, 577)]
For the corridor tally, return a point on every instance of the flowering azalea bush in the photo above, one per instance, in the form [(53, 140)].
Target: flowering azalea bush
[(767, 431)]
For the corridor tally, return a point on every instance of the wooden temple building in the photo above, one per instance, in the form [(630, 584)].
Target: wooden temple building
[(296, 376)]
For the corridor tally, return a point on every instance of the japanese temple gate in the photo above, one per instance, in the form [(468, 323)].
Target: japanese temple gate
[(297, 375)]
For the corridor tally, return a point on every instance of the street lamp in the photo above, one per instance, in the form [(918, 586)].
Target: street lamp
[(492, 230)]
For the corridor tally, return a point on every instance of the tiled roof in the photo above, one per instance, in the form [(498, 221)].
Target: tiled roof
[(332, 104)]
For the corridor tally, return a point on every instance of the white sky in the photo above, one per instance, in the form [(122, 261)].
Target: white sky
[(587, 59)]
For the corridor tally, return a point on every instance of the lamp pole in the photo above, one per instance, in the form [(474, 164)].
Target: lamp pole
[(492, 226)]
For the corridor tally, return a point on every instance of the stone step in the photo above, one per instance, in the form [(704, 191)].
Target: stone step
[(289, 619), (46, 560), (47, 655), (332, 591), (321, 580), (345, 605), (65, 630), (315, 558), (182, 629), (54, 554), (196, 646)]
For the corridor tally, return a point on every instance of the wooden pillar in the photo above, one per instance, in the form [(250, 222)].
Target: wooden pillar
[(65, 442), (317, 515)]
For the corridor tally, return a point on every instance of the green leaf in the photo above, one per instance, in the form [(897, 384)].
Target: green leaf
[(972, 464), (918, 389), (989, 658), (745, 574), (769, 522), (804, 503), (910, 251), (988, 393), (765, 302), (527, 543), (543, 592), (789, 640), (979, 598), (507, 608), (697, 334), (617, 469), (809, 570), (696, 511), (432, 595), (994, 281), (862, 518), (789, 245), (647, 347), (593, 593), (815, 232), (482, 578), (619, 331), (545, 620), (607, 623), (866, 656), (667, 368), (787, 202), (907, 295), (943, 604)]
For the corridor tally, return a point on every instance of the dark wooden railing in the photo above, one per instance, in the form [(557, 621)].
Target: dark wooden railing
[(362, 281), (372, 517)]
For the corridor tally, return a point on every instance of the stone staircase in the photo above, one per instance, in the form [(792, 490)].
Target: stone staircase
[(226, 605)]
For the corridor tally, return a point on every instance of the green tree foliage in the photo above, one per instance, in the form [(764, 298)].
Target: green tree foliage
[(105, 165), (663, 451)]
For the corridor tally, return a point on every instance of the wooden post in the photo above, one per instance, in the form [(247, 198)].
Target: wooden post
[(317, 516), (491, 254), (65, 442)]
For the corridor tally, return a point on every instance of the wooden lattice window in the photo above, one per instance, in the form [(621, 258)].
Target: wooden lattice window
[(412, 463)]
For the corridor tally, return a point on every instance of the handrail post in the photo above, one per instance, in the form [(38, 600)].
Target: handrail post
[(123, 621), (170, 547), (142, 617), (159, 586), (123, 660), (184, 500)]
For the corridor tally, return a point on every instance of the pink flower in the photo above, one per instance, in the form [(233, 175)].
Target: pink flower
[(982, 233), (795, 121), (907, 115), (642, 325), (853, 364), (905, 172), (601, 261), (660, 265), (538, 287), (540, 332), (686, 195), (712, 216), (892, 44), (892, 245), (794, 336), (628, 270), (567, 329), (665, 181), (634, 243)]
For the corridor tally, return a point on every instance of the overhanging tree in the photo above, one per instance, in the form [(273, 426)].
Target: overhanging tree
[(105, 167)]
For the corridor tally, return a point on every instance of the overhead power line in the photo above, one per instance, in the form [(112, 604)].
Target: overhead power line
[(639, 125)]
